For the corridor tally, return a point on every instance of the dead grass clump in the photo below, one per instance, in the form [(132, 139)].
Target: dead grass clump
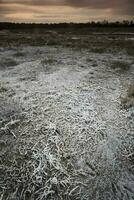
[(120, 65), (98, 50), (128, 100), (131, 91), (52, 42), (8, 62), (48, 61), (28, 78), (3, 89), (19, 54), (48, 65), (38, 52), (127, 154), (89, 60)]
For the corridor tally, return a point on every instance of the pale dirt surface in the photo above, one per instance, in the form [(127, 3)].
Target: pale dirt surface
[(64, 134)]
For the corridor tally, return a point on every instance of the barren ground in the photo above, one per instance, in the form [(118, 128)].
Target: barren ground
[(64, 133)]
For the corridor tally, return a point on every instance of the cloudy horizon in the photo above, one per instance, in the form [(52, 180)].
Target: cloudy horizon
[(55, 11)]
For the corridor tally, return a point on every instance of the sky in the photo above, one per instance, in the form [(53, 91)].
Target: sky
[(55, 11)]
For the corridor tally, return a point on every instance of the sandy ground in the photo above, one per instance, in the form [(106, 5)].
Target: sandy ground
[(64, 133)]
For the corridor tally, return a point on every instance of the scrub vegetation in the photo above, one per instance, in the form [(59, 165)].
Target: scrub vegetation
[(66, 114)]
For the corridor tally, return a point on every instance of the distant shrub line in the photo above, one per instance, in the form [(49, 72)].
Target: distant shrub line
[(103, 24)]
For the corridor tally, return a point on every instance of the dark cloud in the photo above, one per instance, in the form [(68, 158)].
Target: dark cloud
[(34, 2), (116, 7), (121, 6), (95, 4)]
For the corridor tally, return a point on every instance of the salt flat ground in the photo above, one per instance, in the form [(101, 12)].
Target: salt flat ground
[(64, 133)]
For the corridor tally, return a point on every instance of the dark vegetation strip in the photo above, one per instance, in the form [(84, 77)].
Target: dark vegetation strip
[(103, 24), (97, 37)]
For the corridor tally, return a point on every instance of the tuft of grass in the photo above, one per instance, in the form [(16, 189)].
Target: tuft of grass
[(8, 62), (120, 65), (48, 61), (3, 89), (98, 50), (19, 54), (89, 60), (52, 43), (29, 77), (130, 91), (128, 100), (48, 65)]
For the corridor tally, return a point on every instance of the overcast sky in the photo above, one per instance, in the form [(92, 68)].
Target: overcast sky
[(65, 10)]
